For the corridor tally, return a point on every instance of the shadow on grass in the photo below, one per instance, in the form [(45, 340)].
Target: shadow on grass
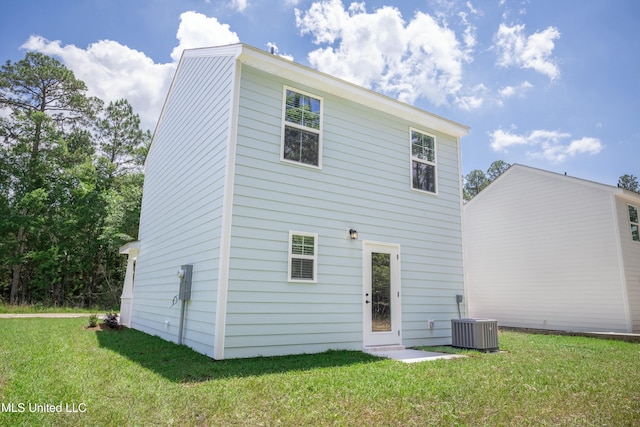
[(179, 363)]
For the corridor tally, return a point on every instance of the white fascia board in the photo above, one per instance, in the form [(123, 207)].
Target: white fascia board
[(228, 50), (276, 65), (129, 247), (627, 195)]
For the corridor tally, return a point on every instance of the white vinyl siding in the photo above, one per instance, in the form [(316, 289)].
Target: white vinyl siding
[(541, 252), (303, 256)]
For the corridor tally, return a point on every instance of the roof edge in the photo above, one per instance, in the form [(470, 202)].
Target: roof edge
[(616, 191), (279, 66)]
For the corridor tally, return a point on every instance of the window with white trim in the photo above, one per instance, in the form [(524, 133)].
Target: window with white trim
[(423, 161), (303, 256), (302, 128), (635, 225)]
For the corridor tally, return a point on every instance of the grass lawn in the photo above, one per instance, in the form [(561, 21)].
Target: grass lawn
[(39, 308), (125, 377)]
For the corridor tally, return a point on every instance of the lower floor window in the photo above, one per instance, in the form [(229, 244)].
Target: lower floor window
[(303, 260)]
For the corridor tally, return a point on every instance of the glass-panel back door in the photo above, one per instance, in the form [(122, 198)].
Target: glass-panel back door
[(381, 292)]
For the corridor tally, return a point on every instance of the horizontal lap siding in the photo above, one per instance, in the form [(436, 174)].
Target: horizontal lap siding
[(540, 253), (364, 183), (182, 204)]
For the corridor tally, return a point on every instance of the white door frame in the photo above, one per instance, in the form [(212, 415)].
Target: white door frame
[(394, 336)]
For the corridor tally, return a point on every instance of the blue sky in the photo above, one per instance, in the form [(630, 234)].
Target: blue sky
[(546, 83)]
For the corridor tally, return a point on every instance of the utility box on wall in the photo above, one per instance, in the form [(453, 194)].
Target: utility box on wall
[(477, 334), (185, 274)]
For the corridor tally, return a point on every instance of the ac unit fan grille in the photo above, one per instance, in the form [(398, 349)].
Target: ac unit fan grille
[(477, 334)]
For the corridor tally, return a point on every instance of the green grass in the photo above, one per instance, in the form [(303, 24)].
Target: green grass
[(40, 308), (129, 378)]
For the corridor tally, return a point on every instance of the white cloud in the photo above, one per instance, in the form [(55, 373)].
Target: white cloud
[(114, 71), (239, 5), (198, 30), (584, 145), (545, 144), (510, 91), (501, 140), (474, 100), (473, 9), (469, 35), (514, 48), (379, 50)]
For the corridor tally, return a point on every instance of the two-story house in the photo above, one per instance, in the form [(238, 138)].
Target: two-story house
[(315, 214)]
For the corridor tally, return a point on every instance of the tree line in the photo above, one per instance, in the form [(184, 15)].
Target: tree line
[(477, 180), (70, 186)]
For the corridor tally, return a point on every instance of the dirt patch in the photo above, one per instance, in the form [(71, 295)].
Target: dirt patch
[(103, 326)]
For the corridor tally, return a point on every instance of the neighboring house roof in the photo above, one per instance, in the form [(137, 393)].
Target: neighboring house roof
[(298, 73), (620, 192)]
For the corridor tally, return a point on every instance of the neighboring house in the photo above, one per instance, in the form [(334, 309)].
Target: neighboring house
[(550, 251), (316, 214)]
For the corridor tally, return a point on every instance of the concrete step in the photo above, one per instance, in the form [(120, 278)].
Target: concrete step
[(382, 348)]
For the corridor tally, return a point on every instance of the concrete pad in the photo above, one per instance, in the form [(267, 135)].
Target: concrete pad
[(413, 356)]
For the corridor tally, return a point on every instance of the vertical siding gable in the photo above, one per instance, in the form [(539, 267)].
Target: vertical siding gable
[(182, 199)]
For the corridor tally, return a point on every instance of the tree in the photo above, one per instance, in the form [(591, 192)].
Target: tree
[(70, 186), (496, 169), (43, 98), (476, 180), (122, 141), (629, 182)]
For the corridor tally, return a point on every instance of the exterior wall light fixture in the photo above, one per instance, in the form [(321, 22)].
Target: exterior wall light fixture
[(353, 233)]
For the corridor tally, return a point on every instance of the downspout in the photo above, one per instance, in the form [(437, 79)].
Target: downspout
[(182, 306), (460, 298)]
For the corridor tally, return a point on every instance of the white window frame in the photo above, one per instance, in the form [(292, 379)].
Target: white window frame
[(285, 123), (313, 257), (632, 223), (433, 163)]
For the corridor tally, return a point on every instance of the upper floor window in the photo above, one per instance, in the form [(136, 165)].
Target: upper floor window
[(423, 161), (302, 126), (633, 219)]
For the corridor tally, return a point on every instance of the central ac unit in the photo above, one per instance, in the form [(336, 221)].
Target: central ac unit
[(477, 334)]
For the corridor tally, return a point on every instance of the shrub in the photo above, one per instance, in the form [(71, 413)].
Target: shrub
[(111, 320), (93, 321)]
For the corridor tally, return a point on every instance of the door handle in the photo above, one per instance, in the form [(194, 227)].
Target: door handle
[(366, 301)]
